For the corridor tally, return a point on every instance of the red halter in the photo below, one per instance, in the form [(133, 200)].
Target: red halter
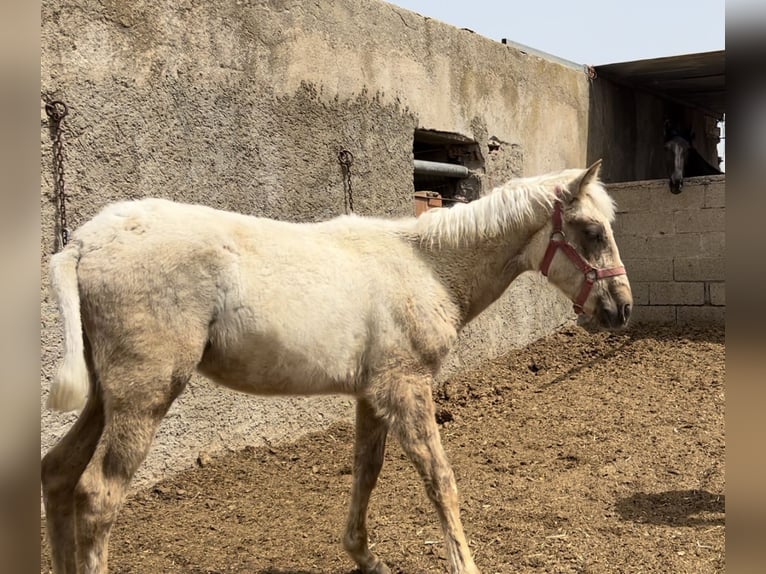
[(559, 241)]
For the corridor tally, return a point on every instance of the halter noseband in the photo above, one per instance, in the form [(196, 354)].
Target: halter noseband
[(558, 241)]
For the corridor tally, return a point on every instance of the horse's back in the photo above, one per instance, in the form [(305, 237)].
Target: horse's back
[(281, 307)]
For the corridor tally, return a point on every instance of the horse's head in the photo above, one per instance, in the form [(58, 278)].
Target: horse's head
[(677, 145), (578, 252)]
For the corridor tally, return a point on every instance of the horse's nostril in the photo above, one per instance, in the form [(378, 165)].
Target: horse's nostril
[(625, 312)]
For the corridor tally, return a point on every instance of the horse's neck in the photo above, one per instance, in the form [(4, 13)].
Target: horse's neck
[(697, 165), (477, 249), (479, 273)]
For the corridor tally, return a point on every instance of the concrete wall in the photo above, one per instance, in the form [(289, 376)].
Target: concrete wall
[(244, 105), (673, 247)]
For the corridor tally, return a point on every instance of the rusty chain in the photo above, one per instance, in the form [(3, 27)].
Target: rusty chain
[(57, 111), (346, 159)]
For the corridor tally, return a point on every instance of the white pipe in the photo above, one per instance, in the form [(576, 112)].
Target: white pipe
[(423, 167)]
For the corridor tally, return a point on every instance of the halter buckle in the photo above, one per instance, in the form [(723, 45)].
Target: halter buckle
[(560, 234)]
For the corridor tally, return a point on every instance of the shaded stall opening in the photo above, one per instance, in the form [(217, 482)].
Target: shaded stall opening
[(651, 101), (446, 169)]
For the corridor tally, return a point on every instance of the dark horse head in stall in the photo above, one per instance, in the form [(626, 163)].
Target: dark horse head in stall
[(683, 159)]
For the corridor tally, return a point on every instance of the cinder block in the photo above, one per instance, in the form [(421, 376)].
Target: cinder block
[(649, 269), (644, 223), (706, 314), (699, 269), (700, 221), (669, 293), (653, 196), (631, 246), (713, 244), (636, 198), (692, 199), (653, 314), (640, 292), (715, 194), (666, 247), (717, 293)]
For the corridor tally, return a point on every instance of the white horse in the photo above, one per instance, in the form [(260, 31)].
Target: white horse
[(152, 290)]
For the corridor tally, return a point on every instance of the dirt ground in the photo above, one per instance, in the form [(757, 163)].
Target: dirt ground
[(581, 453)]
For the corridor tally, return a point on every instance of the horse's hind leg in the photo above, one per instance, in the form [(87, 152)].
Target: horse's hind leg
[(369, 449), (404, 400), (135, 402), (61, 469)]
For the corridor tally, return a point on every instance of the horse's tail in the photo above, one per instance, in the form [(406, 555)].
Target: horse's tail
[(70, 387)]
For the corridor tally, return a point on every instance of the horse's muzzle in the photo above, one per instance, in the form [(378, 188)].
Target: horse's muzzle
[(607, 317), (616, 317)]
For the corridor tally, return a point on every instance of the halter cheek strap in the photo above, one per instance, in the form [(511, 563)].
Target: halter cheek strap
[(558, 241)]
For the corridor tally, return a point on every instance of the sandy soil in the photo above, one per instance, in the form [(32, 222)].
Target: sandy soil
[(581, 453)]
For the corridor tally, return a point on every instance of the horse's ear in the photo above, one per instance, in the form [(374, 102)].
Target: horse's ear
[(590, 175), (587, 176)]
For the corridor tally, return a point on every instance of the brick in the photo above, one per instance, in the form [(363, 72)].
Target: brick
[(640, 292), (699, 269), (715, 195), (644, 223), (649, 269), (668, 293), (713, 244), (717, 293), (706, 314), (703, 220), (667, 247), (653, 314)]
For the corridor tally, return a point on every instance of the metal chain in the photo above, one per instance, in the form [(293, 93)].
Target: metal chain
[(57, 111), (346, 159)]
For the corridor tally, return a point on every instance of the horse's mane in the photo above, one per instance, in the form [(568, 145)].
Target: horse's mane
[(513, 205)]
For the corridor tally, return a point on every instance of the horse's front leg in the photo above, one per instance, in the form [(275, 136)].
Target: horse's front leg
[(369, 449), (405, 401)]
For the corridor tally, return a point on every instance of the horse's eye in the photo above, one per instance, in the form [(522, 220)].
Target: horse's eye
[(594, 233)]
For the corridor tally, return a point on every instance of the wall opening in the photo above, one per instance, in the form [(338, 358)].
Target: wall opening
[(446, 169)]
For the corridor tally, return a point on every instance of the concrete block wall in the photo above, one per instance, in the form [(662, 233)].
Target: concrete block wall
[(674, 248)]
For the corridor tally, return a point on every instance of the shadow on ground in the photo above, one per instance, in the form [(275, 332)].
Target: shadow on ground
[(674, 507)]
